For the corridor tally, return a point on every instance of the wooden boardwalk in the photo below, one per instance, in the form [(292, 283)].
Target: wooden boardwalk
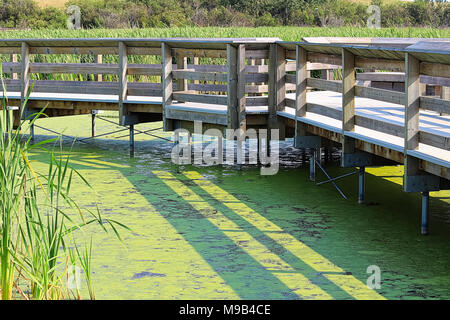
[(259, 83)]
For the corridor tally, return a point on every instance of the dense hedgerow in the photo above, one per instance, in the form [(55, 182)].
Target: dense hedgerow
[(223, 13)]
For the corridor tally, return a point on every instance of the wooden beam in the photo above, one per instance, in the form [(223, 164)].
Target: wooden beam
[(380, 94), (348, 103), (315, 57), (300, 90), (412, 107), (348, 91), (379, 64), (202, 76), (98, 58), (122, 74), (277, 86), (182, 96), (24, 76), (327, 85), (241, 58), (435, 69), (232, 90), (166, 80)]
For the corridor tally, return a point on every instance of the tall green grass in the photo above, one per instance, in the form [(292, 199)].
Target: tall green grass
[(284, 33), (37, 220)]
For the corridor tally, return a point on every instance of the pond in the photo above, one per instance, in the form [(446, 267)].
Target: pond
[(215, 232)]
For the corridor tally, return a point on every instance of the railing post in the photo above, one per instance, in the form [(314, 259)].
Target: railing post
[(241, 87), (350, 156), (277, 87), (301, 139), (412, 106), (348, 102), (236, 117), (182, 84), (414, 180), (24, 77), (301, 77), (98, 58), (232, 87), (167, 86), (123, 85)]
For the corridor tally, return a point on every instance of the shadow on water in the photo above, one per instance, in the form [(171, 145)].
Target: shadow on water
[(383, 232)]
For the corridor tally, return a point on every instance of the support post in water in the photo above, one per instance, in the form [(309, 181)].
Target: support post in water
[(131, 140), (93, 122), (312, 165), (362, 184), (425, 213)]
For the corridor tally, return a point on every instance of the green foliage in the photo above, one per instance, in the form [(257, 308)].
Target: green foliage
[(224, 13), (26, 14)]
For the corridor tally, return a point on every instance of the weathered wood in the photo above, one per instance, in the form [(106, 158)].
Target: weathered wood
[(277, 88), (13, 59), (257, 54), (10, 50), (98, 59), (181, 96), (199, 53), (94, 50), (202, 76), (232, 82), (195, 115), (122, 76), (435, 69), (380, 94), (236, 100), (348, 103), (315, 57), (301, 78), (322, 66), (379, 64), (348, 91), (182, 84), (166, 80), (328, 85), (256, 101), (241, 57), (290, 78), (412, 108), (24, 77), (74, 50)]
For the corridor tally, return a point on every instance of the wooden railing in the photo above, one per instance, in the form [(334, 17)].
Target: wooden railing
[(223, 73)]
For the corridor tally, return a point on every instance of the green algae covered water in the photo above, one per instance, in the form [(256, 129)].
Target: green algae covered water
[(214, 232)]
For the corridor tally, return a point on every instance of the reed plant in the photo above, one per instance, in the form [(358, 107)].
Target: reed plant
[(38, 245)]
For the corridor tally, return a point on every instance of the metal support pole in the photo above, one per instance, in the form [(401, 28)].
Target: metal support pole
[(312, 165), (362, 184), (93, 123), (425, 209), (131, 140), (326, 154)]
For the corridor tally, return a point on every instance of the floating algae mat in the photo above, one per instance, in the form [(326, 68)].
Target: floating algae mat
[(215, 232)]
